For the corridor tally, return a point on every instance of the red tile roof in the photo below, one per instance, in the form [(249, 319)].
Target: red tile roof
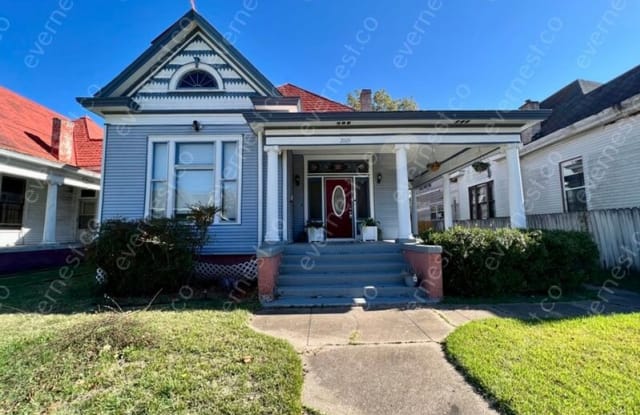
[(26, 126), (312, 102)]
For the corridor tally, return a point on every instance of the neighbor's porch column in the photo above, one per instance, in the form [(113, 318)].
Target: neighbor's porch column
[(272, 232), (516, 195), (402, 193), (446, 201), (51, 212)]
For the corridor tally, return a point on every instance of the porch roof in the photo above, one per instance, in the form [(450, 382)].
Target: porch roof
[(487, 119)]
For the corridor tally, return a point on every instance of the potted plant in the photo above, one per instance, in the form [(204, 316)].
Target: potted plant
[(480, 166), (315, 231), (369, 229)]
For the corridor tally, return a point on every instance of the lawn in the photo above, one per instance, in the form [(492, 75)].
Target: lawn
[(196, 360), (579, 366)]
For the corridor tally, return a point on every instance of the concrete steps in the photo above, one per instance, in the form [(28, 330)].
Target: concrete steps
[(342, 274)]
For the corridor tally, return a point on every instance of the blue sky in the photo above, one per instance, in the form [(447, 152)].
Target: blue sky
[(447, 54)]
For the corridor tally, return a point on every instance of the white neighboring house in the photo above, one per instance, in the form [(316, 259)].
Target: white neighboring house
[(49, 182), (583, 157)]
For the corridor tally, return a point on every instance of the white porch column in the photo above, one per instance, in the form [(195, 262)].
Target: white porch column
[(272, 232), (402, 193), (516, 194), (50, 214), (446, 201)]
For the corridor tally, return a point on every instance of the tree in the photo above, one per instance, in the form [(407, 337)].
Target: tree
[(382, 101)]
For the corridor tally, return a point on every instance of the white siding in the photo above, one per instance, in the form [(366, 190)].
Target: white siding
[(610, 158), (470, 177), (33, 222), (384, 195)]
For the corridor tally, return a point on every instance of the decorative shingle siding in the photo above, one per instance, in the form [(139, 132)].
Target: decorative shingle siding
[(155, 93), (125, 182)]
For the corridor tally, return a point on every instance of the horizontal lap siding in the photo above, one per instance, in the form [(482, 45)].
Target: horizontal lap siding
[(33, 222), (609, 155), (386, 210), (125, 181)]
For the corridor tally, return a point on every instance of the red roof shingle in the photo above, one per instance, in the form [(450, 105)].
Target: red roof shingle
[(312, 102), (26, 127)]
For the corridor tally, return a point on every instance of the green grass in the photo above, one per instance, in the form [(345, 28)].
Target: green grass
[(580, 366), (200, 360)]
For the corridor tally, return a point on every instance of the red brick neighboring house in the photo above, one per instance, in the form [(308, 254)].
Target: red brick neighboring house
[(49, 181)]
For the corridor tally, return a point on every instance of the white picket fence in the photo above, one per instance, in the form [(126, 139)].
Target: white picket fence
[(615, 231)]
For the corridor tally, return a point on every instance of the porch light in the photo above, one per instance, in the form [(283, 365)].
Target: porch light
[(297, 179), (196, 125), (379, 178)]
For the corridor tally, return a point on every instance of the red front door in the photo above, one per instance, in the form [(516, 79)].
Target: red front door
[(339, 208)]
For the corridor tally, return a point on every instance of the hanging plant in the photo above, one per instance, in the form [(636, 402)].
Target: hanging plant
[(480, 166), (435, 166)]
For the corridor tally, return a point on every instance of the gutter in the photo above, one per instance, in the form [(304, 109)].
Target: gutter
[(67, 168)]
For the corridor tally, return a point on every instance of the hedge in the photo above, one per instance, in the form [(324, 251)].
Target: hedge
[(141, 257), (485, 263)]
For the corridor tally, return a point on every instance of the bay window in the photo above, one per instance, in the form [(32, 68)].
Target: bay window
[(186, 172)]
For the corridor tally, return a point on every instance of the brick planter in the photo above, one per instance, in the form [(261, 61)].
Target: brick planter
[(268, 269), (426, 262)]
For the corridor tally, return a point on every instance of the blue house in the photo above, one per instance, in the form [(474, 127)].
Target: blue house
[(192, 120)]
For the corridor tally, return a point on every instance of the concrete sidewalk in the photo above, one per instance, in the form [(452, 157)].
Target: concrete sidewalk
[(391, 361)]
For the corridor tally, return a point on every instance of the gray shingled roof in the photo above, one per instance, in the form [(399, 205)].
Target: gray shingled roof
[(577, 106)]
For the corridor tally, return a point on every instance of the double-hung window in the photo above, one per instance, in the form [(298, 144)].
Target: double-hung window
[(187, 172), (12, 196), (481, 202), (575, 196)]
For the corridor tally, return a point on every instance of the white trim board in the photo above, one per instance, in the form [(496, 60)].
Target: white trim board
[(394, 139), (174, 119)]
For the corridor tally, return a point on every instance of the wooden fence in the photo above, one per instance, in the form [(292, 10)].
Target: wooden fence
[(615, 231)]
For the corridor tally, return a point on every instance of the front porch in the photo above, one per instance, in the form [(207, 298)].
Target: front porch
[(337, 169)]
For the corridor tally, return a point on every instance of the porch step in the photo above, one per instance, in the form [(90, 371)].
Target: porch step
[(342, 274), (345, 266), (346, 290), (297, 259), (321, 249), (365, 278), (304, 302)]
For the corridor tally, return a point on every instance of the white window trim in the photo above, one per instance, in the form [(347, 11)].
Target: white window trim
[(217, 180), (184, 69), (565, 205)]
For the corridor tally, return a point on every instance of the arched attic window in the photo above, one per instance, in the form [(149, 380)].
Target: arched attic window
[(197, 79)]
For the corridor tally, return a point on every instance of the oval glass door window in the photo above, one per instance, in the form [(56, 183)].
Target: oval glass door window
[(338, 200)]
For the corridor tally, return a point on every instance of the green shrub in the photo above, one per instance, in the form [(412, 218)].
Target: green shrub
[(484, 262), (140, 257)]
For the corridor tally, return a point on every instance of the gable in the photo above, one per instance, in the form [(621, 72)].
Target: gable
[(147, 83), (160, 90)]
